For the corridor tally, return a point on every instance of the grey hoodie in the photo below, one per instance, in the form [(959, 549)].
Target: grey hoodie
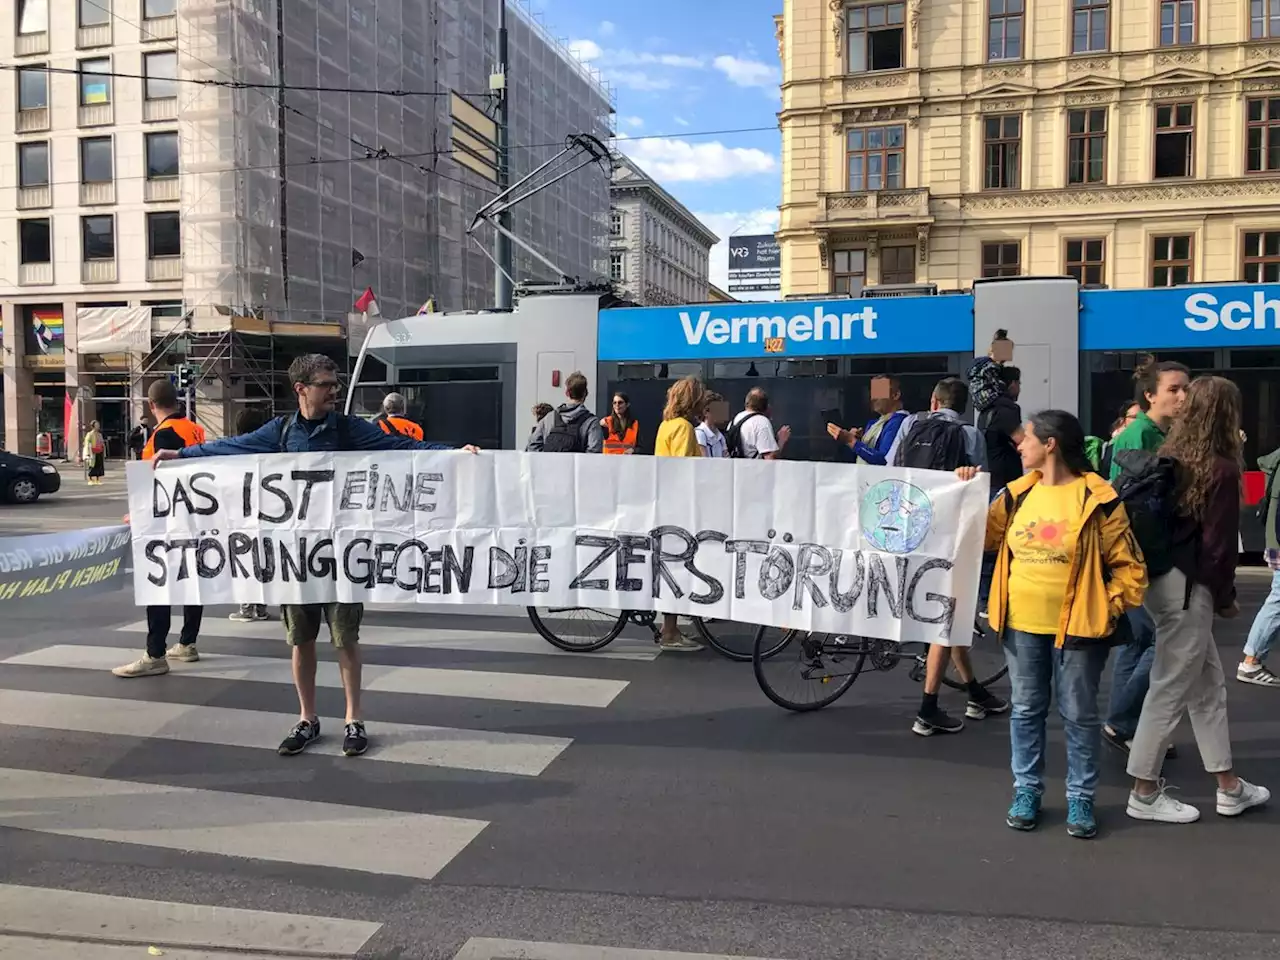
[(576, 415)]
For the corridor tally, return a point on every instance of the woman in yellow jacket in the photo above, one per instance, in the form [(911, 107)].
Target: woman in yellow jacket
[(676, 438), (1067, 568)]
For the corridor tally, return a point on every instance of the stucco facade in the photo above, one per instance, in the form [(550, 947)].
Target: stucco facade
[(1130, 143)]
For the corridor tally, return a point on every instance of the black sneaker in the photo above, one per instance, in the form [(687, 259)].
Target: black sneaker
[(939, 721), (1121, 743), (303, 735), (980, 708), (355, 742)]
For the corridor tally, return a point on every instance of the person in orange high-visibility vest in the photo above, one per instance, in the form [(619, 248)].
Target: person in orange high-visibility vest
[(173, 432), (393, 419), (621, 429)]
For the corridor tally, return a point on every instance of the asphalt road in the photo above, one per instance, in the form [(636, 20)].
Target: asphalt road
[(75, 505), (629, 801)]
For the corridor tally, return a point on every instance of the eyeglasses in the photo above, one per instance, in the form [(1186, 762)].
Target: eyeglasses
[(325, 384)]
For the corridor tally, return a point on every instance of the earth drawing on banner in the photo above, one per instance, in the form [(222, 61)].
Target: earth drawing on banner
[(895, 516)]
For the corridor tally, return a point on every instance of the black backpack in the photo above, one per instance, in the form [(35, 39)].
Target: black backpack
[(1148, 486), (565, 437), (733, 437), (286, 424), (934, 443)]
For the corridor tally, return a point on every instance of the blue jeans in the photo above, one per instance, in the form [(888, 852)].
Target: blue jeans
[(1132, 675), (1266, 625), (1037, 669)]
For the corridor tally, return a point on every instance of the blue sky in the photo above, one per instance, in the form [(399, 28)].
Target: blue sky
[(684, 67)]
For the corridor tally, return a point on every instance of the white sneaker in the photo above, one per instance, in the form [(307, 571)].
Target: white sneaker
[(146, 667), (243, 615), (1247, 795), (680, 644), (186, 652), (1161, 807)]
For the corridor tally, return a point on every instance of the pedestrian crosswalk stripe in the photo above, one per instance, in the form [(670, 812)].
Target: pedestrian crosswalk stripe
[(511, 753), (89, 924), (430, 681), (480, 641), (484, 948), (416, 845)]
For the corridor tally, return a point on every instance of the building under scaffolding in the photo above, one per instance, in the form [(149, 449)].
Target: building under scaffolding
[(292, 202)]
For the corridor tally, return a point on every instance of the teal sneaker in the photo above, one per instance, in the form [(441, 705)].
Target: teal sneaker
[(1080, 820), (1024, 812)]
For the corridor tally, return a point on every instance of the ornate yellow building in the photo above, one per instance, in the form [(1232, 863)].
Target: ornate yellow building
[(1126, 142)]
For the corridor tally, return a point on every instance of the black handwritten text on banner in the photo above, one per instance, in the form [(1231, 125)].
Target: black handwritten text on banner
[(822, 546)]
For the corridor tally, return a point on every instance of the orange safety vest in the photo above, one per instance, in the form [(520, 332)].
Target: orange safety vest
[(191, 434), (401, 426), (620, 444)]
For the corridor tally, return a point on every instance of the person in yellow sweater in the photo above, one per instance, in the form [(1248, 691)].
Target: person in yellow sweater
[(677, 438)]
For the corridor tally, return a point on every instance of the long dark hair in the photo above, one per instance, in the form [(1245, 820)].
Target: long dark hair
[(1207, 431), (1147, 377), (619, 426), (1066, 430)]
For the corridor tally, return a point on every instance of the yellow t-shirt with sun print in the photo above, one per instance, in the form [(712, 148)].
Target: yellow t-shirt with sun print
[(1042, 538)]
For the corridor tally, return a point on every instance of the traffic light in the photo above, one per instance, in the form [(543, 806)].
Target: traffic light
[(183, 373)]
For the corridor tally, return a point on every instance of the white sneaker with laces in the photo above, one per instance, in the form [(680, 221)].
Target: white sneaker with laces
[(146, 667), (1161, 807), (1245, 797), (186, 652)]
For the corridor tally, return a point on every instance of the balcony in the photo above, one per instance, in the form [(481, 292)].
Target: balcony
[(31, 44), (35, 274), (160, 28), (33, 121), (97, 194), (164, 268), (166, 109), (875, 206), (162, 191), (96, 115), (33, 198), (98, 271), (95, 36)]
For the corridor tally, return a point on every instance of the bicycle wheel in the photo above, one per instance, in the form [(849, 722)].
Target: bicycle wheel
[(987, 657), (736, 641), (577, 629), (814, 669)]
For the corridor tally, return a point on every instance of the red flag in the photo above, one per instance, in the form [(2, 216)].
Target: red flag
[(368, 303)]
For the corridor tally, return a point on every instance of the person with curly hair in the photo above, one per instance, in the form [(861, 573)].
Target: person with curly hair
[(686, 399), (1186, 673)]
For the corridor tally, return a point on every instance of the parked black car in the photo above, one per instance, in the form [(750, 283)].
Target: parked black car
[(24, 479)]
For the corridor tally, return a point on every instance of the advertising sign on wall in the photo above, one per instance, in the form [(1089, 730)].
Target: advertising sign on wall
[(755, 264)]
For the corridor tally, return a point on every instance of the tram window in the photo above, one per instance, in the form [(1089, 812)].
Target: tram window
[(373, 371), (449, 375), (1254, 359), (938, 363), (724, 369), (659, 371), (1198, 360)]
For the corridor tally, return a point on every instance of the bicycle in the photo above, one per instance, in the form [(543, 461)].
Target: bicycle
[(598, 628), (825, 659)]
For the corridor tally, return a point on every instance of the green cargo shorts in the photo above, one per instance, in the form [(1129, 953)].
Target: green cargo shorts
[(302, 622)]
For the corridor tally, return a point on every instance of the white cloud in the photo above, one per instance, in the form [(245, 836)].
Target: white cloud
[(748, 73), (585, 50), (673, 161), (637, 80), (736, 223), (681, 121), (607, 28), (633, 122)]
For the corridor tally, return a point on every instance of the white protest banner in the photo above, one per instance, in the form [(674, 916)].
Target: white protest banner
[(832, 547)]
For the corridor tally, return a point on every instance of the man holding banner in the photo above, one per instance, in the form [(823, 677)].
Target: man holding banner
[(316, 427)]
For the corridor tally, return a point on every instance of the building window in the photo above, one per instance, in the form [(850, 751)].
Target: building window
[(1002, 143), (33, 241), (615, 266), (1263, 134), (1264, 19), (94, 13), (33, 16), (95, 84), (1085, 262), (1262, 257), (33, 88), (1004, 29), (164, 235), (615, 223), (162, 155), (897, 264), (161, 71), (153, 9), (1087, 145), (1002, 259), (99, 237), (1089, 25), (33, 164), (96, 160), (876, 33), (1170, 261), (1175, 136), (849, 271), (1178, 22), (874, 156)]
